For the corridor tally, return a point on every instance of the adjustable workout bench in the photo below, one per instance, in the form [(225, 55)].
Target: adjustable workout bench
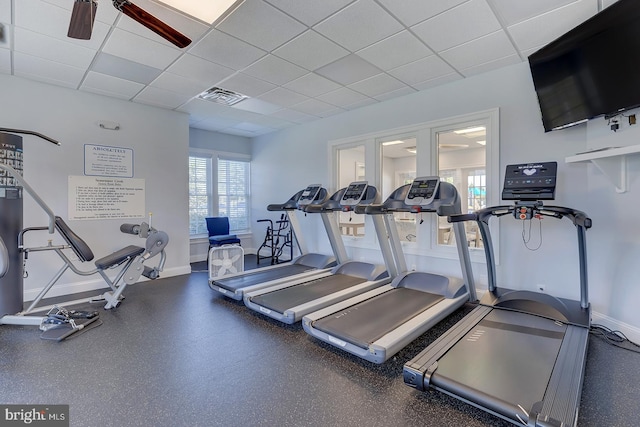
[(130, 259)]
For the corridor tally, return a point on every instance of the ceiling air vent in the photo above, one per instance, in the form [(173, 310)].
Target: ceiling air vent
[(222, 96)]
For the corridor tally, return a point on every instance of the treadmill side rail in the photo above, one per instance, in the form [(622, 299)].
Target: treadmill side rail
[(417, 372)]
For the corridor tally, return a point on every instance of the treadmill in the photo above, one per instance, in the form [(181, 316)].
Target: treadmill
[(377, 324), (519, 355), (289, 302), (306, 265)]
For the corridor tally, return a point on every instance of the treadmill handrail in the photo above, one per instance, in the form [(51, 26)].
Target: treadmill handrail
[(579, 219)]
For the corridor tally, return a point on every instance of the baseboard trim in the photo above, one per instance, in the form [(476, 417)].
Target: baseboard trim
[(94, 284), (631, 332)]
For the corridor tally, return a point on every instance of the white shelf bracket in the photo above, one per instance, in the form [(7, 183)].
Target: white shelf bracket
[(614, 168)]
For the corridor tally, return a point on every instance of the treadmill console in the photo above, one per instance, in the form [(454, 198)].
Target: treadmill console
[(530, 181), (309, 194), (422, 191), (354, 193)]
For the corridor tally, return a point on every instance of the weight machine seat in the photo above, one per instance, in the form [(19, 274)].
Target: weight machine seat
[(79, 246), (118, 257)]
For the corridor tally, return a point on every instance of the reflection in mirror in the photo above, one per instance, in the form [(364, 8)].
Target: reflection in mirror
[(351, 167), (399, 168), (462, 162)]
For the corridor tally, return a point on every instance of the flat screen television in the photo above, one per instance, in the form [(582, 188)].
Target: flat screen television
[(592, 70)]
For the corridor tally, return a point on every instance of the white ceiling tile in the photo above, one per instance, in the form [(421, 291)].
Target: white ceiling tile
[(275, 70), (283, 97), (342, 97), (199, 69), (430, 83), (513, 12), (294, 116), (358, 25), (261, 24), (543, 29), (225, 50), (5, 11), (394, 51), (425, 69), (53, 21), (201, 108), (360, 104), (310, 50), (309, 12), (140, 49), (410, 12), (247, 85), (39, 45), (179, 84), (491, 65), (314, 107), (39, 69), (106, 15), (406, 90), (377, 85), (161, 98), (110, 86), (454, 27), (479, 51), (348, 70), (257, 106), (312, 85), (124, 69), (5, 61)]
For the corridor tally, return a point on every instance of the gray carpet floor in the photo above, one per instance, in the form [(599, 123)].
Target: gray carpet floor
[(176, 353)]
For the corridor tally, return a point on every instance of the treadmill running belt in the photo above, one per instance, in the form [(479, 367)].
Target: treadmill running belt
[(284, 299), (260, 276), (365, 322), (513, 357)]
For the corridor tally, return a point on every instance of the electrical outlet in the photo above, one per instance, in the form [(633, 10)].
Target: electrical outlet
[(542, 288)]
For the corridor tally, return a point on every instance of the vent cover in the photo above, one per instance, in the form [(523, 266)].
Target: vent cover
[(222, 96)]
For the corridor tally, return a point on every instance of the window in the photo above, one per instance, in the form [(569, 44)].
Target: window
[(233, 193), (351, 168), (230, 197)]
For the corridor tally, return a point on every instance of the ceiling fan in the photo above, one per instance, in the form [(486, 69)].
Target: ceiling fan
[(84, 14)]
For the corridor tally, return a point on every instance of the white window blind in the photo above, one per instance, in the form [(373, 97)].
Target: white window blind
[(200, 204), (233, 193)]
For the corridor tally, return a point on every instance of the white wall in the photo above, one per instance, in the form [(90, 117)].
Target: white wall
[(159, 139), (612, 243)]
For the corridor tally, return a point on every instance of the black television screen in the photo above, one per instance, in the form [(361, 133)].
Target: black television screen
[(592, 70)]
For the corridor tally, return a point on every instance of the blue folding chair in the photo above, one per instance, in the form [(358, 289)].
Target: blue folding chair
[(218, 228)]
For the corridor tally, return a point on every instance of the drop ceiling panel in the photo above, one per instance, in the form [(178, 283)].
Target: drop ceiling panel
[(491, 65), (275, 70), (405, 90), (419, 71), (310, 12), (42, 70), (179, 84), (256, 105), (200, 70), (5, 61), (480, 51), (39, 45), (5, 11), (410, 12), (261, 25), (247, 85), (348, 70), (513, 12), (225, 50), (454, 27), (140, 49), (360, 24), (377, 85), (161, 97), (310, 50), (283, 97), (343, 97), (543, 29), (125, 69), (312, 85), (394, 51), (315, 107), (110, 86), (294, 116)]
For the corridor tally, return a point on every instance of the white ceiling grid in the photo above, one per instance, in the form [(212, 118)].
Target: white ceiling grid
[(297, 60)]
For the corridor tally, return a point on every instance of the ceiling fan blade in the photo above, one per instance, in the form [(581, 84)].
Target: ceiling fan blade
[(82, 17), (152, 23)]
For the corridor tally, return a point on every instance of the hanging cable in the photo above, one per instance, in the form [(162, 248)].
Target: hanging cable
[(526, 236)]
